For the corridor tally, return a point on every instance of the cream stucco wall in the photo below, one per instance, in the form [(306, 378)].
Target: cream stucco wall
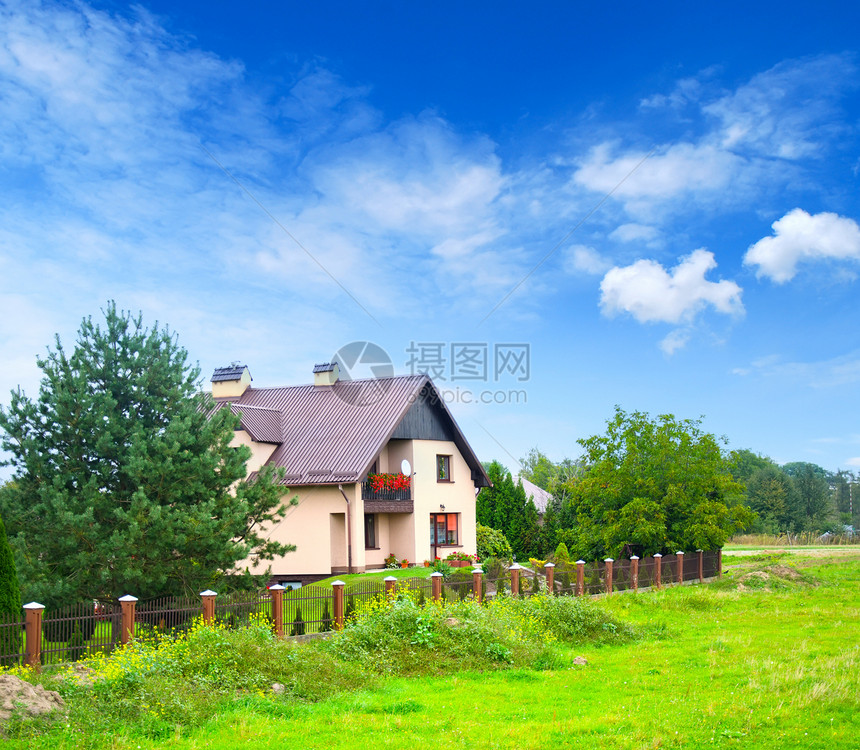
[(260, 452), (458, 495), (314, 525)]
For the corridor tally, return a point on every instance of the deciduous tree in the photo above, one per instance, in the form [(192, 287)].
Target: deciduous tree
[(653, 485)]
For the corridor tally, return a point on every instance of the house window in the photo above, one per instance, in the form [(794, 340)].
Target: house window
[(443, 468), (370, 531), (444, 529)]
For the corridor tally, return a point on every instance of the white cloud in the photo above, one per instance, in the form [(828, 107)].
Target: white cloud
[(744, 139), (798, 237), (652, 294), (634, 233), (853, 461), (681, 167), (764, 115), (675, 340), (583, 259), (843, 370)]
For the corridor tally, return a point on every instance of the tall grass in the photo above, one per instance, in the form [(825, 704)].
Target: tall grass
[(803, 539)]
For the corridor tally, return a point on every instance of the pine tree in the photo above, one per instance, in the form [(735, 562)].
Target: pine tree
[(326, 624), (125, 478), (10, 602), (298, 624)]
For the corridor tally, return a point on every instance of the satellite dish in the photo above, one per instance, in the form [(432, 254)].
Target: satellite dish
[(405, 468)]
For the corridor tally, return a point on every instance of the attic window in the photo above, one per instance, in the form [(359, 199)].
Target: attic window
[(443, 468)]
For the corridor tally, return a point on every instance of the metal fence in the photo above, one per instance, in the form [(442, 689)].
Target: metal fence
[(85, 629)]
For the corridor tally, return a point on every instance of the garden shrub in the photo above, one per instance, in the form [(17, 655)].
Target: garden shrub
[(492, 543), (10, 601)]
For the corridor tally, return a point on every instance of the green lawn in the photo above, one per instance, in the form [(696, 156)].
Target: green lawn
[(752, 669), (772, 663)]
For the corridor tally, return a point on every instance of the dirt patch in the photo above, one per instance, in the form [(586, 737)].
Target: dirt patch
[(783, 571), (16, 695)]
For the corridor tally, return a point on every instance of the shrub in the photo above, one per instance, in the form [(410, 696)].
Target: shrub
[(10, 601), (492, 543), (298, 624)]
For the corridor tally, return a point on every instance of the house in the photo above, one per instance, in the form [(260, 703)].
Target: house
[(331, 435), (542, 499)]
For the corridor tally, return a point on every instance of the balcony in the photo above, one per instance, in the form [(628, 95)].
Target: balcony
[(386, 500)]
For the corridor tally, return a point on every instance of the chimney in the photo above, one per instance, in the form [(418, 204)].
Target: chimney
[(230, 382), (326, 373)]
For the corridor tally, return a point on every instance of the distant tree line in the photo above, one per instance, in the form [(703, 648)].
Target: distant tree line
[(660, 484)]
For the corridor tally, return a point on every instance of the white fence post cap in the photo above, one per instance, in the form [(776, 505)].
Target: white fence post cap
[(516, 566), (34, 605), (635, 557), (437, 574), (208, 592), (390, 578), (580, 562), (657, 554), (549, 565), (276, 587), (679, 552), (609, 559), (338, 583), (477, 570), (128, 598)]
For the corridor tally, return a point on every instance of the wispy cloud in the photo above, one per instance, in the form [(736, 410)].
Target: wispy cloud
[(745, 138), (828, 373)]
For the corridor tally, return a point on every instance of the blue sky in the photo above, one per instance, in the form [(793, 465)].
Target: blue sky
[(659, 200)]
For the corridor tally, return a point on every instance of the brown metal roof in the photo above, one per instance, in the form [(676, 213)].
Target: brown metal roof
[(263, 425), (331, 434)]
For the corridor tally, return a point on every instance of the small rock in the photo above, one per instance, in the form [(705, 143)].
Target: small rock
[(278, 689), (580, 661), (452, 622)]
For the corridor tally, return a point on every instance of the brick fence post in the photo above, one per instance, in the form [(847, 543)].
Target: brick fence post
[(720, 562), (680, 556), (549, 568), (608, 572), (658, 573), (277, 592), (33, 634), (515, 579), (390, 583), (128, 604), (634, 573), (478, 584), (436, 586), (580, 577), (337, 604), (208, 598), (701, 555)]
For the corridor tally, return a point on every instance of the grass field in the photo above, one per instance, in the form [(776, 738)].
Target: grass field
[(766, 658)]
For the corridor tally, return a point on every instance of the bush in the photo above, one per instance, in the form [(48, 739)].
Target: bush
[(298, 624), (492, 543), (10, 601)]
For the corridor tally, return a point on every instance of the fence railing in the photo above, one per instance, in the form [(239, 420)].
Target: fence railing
[(82, 630)]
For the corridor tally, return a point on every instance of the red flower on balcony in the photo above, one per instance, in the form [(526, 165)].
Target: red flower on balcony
[(380, 482)]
